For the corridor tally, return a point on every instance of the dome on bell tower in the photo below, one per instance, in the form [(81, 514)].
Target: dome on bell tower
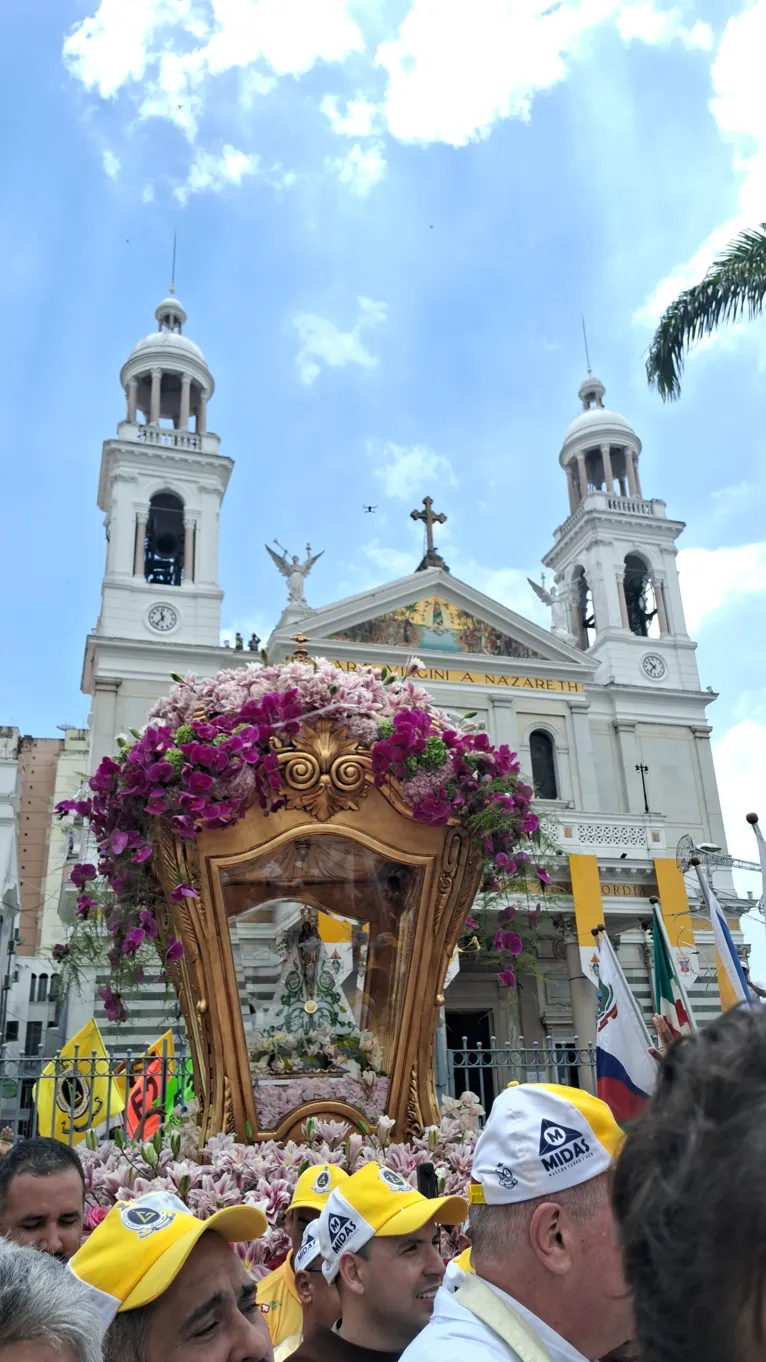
[(166, 374), (601, 449)]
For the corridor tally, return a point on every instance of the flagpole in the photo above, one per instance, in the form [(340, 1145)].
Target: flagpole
[(657, 907), (752, 819)]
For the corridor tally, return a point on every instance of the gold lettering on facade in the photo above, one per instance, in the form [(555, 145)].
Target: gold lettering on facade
[(477, 678)]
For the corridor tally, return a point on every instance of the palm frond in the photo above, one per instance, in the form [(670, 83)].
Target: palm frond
[(734, 286)]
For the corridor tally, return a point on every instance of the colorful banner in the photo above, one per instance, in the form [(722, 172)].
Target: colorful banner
[(75, 1092), (143, 1114), (589, 911)]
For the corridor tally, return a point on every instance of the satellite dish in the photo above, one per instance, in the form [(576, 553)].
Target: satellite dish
[(684, 852)]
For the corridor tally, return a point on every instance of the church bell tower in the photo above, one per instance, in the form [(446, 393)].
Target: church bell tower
[(614, 558), (161, 487)]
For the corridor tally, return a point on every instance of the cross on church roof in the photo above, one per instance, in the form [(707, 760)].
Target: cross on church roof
[(430, 518)]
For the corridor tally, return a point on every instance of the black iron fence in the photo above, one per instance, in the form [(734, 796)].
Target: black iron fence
[(486, 1069), (67, 1096)]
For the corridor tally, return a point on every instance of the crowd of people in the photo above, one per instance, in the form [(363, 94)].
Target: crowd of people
[(585, 1243)]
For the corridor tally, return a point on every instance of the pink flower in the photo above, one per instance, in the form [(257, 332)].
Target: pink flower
[(542, 875), (142, 854), (433, 810), (507, 978), (471, 923), (84, 905), (94, 1215), (508, 941), (118, 842), (81, 874), (183, 891), (174, 951)]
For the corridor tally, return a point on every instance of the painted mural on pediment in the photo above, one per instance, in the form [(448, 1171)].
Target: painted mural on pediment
[(436, 625)]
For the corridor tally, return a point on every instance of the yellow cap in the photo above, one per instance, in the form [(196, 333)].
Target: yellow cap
[(541, 1137), (378, 1201), (137, 1251), (315, 1184)]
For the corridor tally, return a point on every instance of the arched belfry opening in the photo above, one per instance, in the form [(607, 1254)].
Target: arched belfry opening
[(543, 761), (640, 598), (584, 618), (164, 543)]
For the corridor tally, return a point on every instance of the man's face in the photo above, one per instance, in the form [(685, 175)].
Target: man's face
[(45, 1213), (299, 1219), (209, 1313), (319, 1298), (401, 1276)]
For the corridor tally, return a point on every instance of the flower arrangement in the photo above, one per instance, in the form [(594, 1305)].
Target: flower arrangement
[(209, 751), (225, 1173), (358, 1055)]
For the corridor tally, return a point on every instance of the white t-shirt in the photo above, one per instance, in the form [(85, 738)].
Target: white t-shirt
[(454, 1334)]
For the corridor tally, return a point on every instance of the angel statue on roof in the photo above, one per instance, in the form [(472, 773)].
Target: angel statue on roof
[(294, 570)]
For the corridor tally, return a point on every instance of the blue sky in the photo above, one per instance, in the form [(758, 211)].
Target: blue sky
[(390, 216)]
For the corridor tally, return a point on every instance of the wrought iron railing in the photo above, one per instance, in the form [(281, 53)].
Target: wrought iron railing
[(486, 1069)]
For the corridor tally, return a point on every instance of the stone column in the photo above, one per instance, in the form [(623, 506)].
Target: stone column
[(105, 723), (503, 721), (662, 614), (636, 476), (607, 462), (583, 476), (583, 747), (132, 399), (621, 598), (632, 794), (630, 469), (189, 528), (154, 405), (183, 420), (138, 560), (202, 414), (715, 828), (583, 999), (571, 487)]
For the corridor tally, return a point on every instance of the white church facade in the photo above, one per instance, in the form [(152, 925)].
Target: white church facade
[(605, 708)]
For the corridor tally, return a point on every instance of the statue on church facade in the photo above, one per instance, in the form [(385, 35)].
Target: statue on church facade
[(294, 570), (558, 604)]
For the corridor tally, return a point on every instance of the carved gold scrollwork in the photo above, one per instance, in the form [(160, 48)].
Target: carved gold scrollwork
[(324, 771), (414, 1119)]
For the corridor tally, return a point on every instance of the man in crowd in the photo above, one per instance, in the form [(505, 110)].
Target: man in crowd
[(277, 1293), (318, 1297), (42, 1196), (548, 1280), (380, 1243), (169, 1287), (44, 1315), (690, 1197)]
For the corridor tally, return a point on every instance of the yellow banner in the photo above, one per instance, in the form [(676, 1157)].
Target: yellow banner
[(78, 1097), (475, 678), (589, 912), (671, 892)]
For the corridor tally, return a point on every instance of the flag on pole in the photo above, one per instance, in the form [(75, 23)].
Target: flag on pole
[(727, 951), (76, 1092), (144, 1111), (669, 993), (625, 1071)]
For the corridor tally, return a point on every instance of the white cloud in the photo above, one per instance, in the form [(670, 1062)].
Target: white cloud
[(322, 342), (739, 109), (176, 45), (454, 69), (209, 171), (393, 562), (111, 164), (406, 470), (147, 193), (359, 119), (712, 578), (361, 168)]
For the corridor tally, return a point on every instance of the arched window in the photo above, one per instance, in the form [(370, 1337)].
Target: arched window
[(543, 761), (42, 989), (584, 615), (164, 545), (640, 600), (32, 987)]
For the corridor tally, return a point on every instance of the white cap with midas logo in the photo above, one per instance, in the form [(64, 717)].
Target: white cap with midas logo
[(540, 1138)]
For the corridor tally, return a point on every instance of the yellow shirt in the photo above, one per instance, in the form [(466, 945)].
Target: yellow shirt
[(279, 1302), (286, 1349)]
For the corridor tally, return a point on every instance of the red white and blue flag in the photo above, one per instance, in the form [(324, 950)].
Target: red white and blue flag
[(625, 1071)]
